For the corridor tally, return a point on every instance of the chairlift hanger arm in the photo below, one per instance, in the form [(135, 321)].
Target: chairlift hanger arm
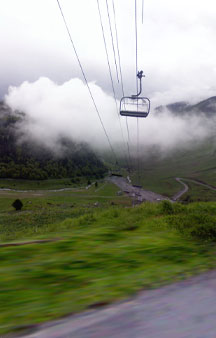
[(140, 75)]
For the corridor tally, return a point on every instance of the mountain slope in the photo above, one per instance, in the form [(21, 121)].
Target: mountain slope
[(21, 157), (207, 107)]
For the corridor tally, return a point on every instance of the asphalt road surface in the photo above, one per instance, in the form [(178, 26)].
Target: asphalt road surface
[(182, 310), (185, 187), (181, 192), (135, 192), (200, 183)]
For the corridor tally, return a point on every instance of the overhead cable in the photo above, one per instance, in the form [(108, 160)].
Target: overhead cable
[(136, 50), (142, 11), (109, 68), (121, 76), (113, 47), (84, 76)]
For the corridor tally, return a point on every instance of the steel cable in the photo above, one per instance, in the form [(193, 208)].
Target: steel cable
[(121, 77), (136, 47), (109, 68), (84, 76), (113, 47)]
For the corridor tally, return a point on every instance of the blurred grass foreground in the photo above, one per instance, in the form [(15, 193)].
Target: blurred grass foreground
[(100, 254)]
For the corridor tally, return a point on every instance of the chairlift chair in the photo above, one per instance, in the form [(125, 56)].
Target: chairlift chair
[(135, 105)]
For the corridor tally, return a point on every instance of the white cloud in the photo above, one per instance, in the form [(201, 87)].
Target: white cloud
[(176, 45), (54, 110), (66, 110)]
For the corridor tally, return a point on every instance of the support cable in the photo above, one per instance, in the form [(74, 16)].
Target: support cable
[(84, 76), (109, 68), (142, 11), (121, 78), (113, 47), (136, 40)]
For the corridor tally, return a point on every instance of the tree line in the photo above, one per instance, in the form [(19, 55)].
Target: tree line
[(28, 159)]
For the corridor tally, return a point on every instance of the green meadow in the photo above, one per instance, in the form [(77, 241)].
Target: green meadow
[(105, 250), (158, 173)]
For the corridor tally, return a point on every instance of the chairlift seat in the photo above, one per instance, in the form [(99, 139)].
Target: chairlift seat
[(134, 106)]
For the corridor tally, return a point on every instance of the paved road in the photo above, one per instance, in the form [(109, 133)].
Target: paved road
[(185, 189), (200, 183), (135, 192), (182, 310), (181, 192)]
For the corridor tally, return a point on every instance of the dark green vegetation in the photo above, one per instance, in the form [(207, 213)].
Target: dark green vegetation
[(105, 251), (17, 204), (50, 184), (21, 157), (199, 163)]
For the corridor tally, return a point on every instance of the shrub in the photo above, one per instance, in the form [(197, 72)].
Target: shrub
[(179, 208), (17, 204), (199, 225), (187, 199), (87, 219), (205, 231), (167, 208)]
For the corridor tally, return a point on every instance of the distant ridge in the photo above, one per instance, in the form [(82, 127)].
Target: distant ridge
[(207, 107)]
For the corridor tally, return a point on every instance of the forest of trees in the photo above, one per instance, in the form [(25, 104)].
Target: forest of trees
[(31, 160)]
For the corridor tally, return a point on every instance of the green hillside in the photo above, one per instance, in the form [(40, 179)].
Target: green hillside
[(158, 174), (23, 158), (97, 254)]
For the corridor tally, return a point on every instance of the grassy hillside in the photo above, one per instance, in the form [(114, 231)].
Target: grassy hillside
[(105, 250), (44, 208), (158, 173)]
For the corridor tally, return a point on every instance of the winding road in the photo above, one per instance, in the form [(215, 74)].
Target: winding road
[(200, 183), (181, 192), (185, 189)]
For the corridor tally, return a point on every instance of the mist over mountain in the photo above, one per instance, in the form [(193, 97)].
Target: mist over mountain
[(24, 157), (45, 131), (206, 107), (55, 110)]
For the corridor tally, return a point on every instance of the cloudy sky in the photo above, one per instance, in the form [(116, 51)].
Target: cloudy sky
[(176, 45), (176, 51)]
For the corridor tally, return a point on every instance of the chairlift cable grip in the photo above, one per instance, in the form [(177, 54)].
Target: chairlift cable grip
[(140, 75)]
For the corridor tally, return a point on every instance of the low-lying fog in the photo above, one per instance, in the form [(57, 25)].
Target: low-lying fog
[(54, 110)]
